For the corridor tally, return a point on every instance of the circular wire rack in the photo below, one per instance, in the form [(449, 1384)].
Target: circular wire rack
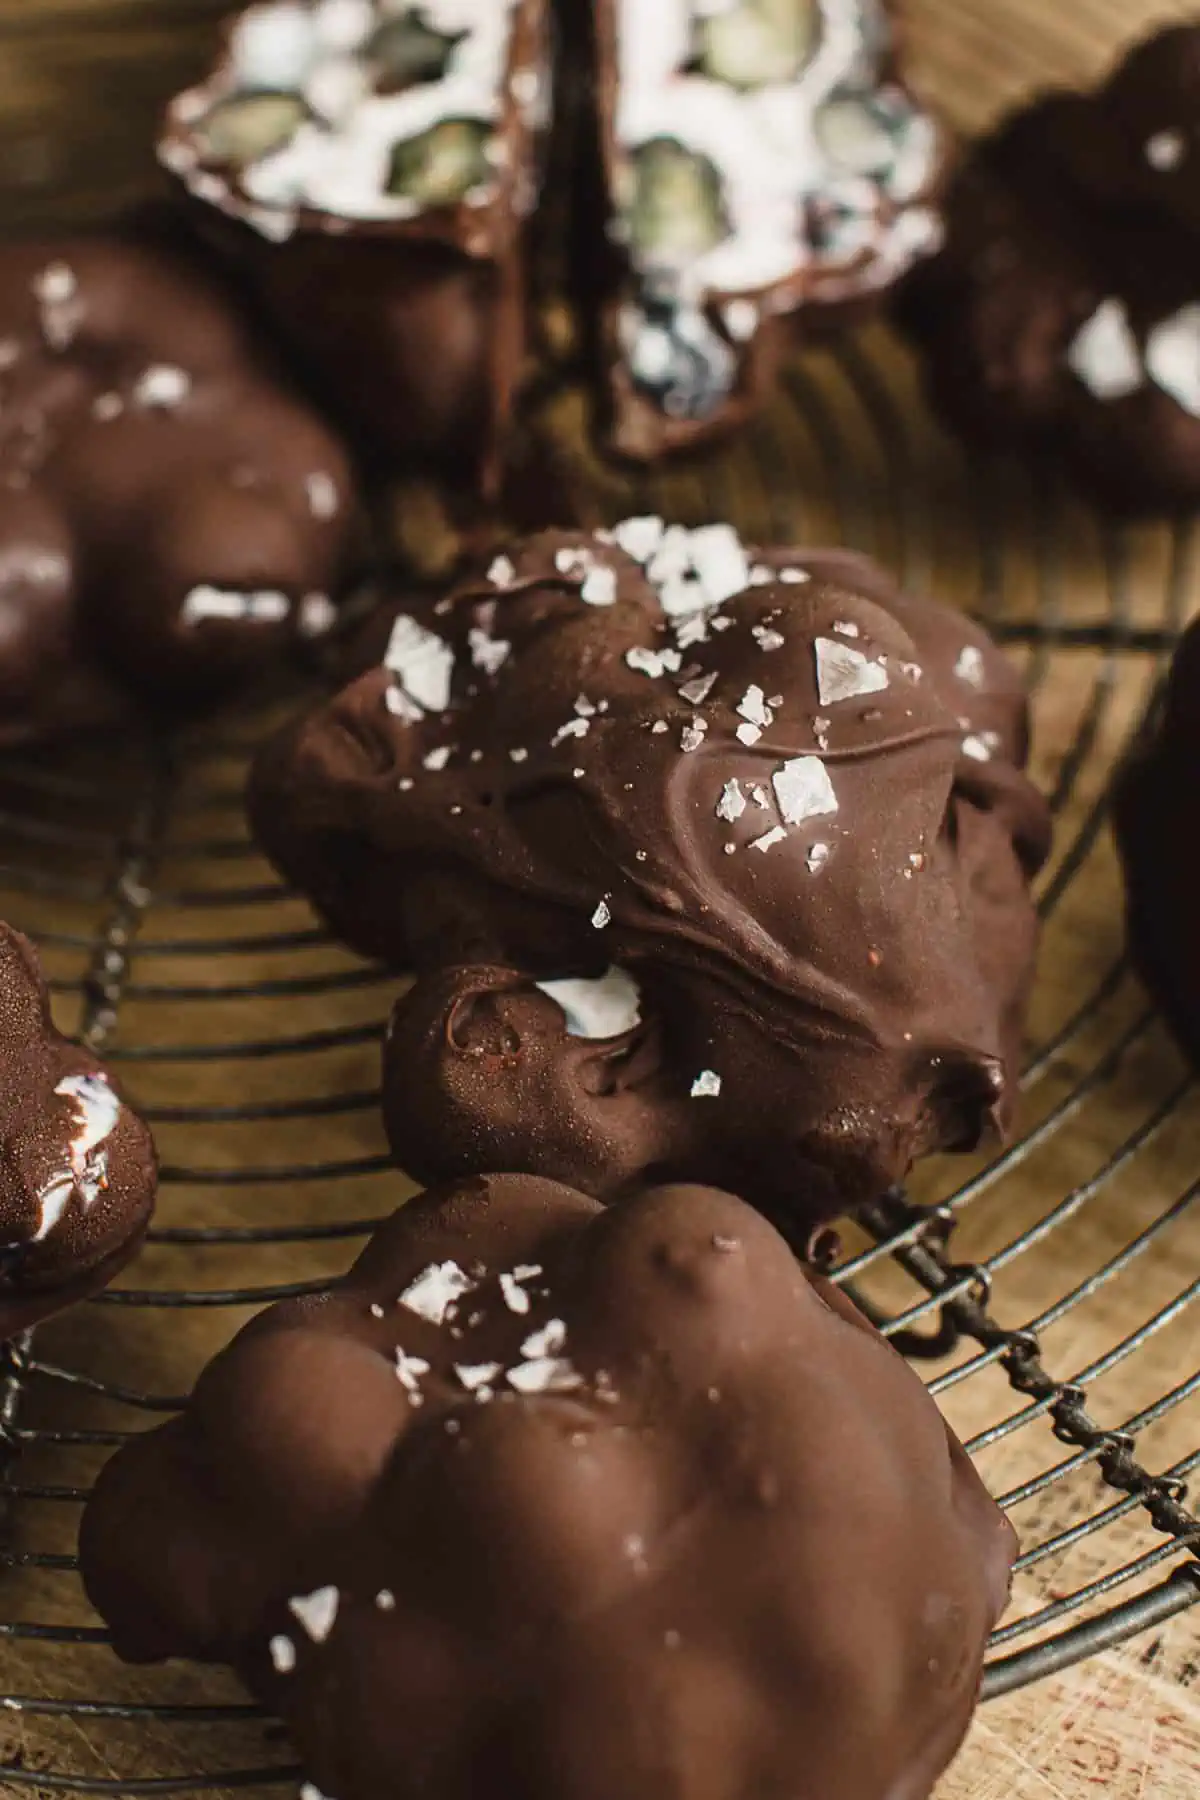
[(1044, 1294)]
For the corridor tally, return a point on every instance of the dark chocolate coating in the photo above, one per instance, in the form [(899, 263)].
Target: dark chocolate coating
[(77, 1166), (858, 984), (146, 455), (724, 1548), (1079, 203), (1155, 816)]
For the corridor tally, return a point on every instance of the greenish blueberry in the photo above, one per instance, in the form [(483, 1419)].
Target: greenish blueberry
[(407, 51), (443, 164), (250, 126), (757, 42), (677, 213)]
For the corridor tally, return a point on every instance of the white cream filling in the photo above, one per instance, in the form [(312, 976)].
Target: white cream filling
[(766, 145), (99, 1111), (606, 1008), (340, 163)]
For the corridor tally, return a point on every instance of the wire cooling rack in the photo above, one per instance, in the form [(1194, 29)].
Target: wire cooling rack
[(1044, 1295)]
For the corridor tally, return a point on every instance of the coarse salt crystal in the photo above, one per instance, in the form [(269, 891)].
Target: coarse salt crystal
[(639, 538), (766, 639), (602, 917), (969, 667), (514, 1295), (599, 588), (283, 1655), (696, 691), (693, 736), (435, 1291), (545, 1375), (732, 803), (316, 1612), (477, 1375), (549, 1341), (748, 735), (754, 709), (803, 790), (422, 663), (769, 839), (437, 760), (502, 573), (654, 663), (322, 495), (487, 653), (844, 673), (162, 385), (409, 1370), (707, 1085)]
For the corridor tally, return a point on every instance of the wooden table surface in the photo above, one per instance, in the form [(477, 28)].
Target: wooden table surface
[(80, 81)]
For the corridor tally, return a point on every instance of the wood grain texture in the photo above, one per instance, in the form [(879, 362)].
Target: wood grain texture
[(846, 452)]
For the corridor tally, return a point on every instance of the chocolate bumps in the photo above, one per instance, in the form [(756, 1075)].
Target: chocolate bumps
[(77, 1166), (173, 523), (547, 1501), (712, 861), (1064, 310)]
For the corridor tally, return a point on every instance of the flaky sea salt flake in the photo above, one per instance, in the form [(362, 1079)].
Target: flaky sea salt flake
[(477, 1375), (844, 673), (422, 662), (969, 667), (707, 1085), (602, 917), (435, 1291), (696, 691), (283, 1654), (769, 839), (732, 803), (545, 1375), (316, 1612), (803, 790), (549, 1341)]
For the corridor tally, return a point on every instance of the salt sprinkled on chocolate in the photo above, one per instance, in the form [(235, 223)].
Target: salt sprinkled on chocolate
[(475, 1376), (602, 917), (409, 1370), (436, 1291), (283, 1655), (423, 664), (316, 1612), (804, 790), (707, 1086), (844, 673), (969, 667), (732, 803)]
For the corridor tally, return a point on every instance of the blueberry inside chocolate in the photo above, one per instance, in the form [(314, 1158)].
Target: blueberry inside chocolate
[(677, 358), (678, 211), (757, 42), (408, 51), (249, 126), (442, 165)]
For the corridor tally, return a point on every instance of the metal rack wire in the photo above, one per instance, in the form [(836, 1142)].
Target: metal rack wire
[(1045, 1295)]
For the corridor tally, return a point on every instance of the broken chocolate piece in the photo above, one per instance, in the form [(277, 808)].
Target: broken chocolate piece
[(387, 232), (759, 159)]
